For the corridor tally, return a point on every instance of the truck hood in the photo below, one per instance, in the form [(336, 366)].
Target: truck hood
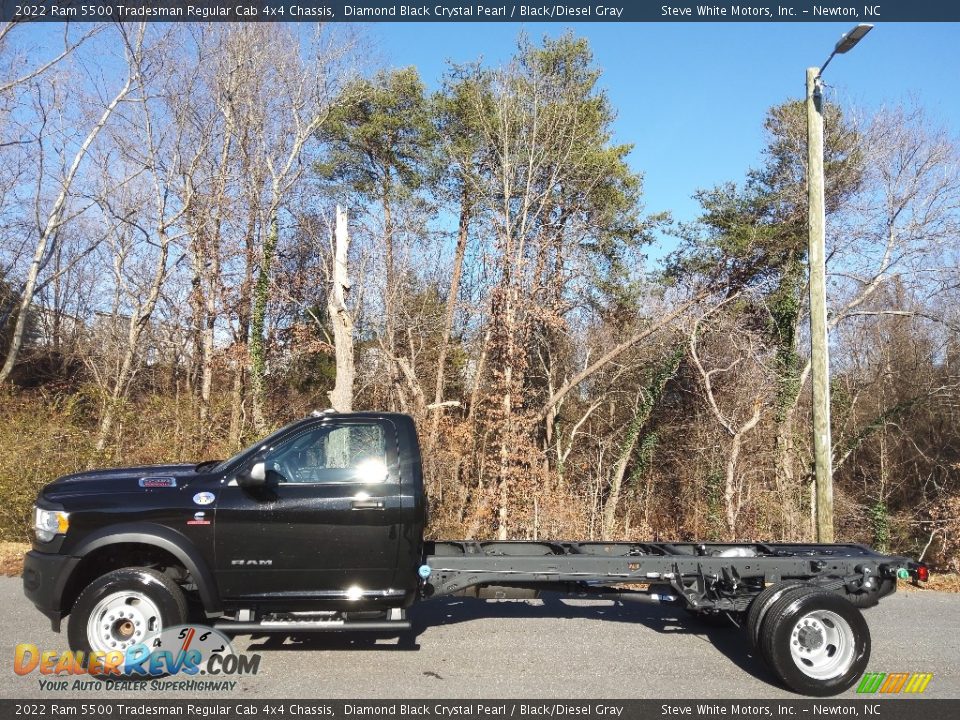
[(119, 480)]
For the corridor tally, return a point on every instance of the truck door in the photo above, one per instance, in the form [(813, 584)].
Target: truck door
[(326, 525)]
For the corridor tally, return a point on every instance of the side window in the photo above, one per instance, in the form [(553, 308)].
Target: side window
[(345, 453)]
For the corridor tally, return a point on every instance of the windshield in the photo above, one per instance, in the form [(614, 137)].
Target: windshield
[(264, 443)]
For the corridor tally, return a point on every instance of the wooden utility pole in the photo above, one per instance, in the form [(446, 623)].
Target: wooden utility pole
[(819, 350), (341, 397)]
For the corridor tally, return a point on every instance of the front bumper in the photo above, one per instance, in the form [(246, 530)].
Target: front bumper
[(45, 577)]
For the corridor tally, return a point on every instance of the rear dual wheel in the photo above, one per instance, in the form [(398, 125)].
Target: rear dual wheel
[(762, 603), (815, 641)]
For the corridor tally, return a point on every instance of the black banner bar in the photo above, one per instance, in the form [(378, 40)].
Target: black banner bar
[(870, 706), (846, 11)]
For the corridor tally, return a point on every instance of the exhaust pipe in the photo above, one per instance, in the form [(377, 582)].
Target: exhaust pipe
[(654, 594)]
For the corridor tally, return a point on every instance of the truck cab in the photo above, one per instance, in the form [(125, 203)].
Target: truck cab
[(329, 510)]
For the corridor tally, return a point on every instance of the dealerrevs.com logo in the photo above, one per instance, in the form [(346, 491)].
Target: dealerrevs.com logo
[(200, 657)]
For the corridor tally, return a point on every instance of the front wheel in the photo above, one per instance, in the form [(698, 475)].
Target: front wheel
[(816, 642), (123, 608)]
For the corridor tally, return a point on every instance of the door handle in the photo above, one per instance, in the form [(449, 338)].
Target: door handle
[(367, 505)]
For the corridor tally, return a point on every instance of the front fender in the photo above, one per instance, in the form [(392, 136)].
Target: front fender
[(164, 538)]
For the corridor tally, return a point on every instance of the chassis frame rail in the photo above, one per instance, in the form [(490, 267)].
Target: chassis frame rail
[(706, 577)]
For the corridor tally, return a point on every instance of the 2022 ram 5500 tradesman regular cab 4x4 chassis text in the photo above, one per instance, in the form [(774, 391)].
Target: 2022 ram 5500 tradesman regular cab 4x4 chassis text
[(319, 527)]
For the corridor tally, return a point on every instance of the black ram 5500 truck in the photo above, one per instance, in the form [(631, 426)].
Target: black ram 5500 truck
[(319, 527)]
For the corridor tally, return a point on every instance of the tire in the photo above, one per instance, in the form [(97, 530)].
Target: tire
[(762, 603), (815, 641), (790, 594), (135, 603)]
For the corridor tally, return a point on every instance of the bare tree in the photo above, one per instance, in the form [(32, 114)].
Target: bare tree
[(279, 94), (58, 214), (736, 422), (18, 69), (155, 149), (907, 215)]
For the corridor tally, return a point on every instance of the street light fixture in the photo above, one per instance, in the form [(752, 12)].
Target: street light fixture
[(816, 251), (845, 44), (847, 41)]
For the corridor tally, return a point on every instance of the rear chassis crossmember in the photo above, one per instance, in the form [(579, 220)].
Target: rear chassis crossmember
[(705, 577)]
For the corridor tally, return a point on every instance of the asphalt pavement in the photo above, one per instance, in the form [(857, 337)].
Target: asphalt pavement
[(551, 648)]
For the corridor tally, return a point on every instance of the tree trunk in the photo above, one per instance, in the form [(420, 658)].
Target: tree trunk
[(389, 340), (452, 298), (258, 361), (242, 337), (619, 472), (236, 402), (784, 474), (730, 494), (506, 431), (341, 397), (207, 340), (478, 376), (195, 356), (616, 485)]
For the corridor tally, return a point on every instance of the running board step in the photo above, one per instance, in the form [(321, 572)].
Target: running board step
[(268, 626)]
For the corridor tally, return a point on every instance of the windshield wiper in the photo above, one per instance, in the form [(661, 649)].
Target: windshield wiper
[(206, 464)]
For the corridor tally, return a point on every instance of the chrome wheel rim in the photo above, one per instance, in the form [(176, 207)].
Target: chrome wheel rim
[(822, 645), (121, 620)]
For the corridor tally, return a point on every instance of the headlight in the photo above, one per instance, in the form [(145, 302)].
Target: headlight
[(49, 523)]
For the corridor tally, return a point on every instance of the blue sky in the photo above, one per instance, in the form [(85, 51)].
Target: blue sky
[(691, 97)]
